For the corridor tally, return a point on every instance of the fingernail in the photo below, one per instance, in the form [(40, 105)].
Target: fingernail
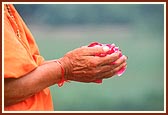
[(124, 57), (106, 48)]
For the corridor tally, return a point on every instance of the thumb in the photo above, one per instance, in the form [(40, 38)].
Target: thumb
[(90, 51)]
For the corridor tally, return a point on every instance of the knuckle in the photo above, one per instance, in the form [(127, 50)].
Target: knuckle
[(93, 63), (115, 55), (95, 72), (117, 62), (108, 60), (113, 73)]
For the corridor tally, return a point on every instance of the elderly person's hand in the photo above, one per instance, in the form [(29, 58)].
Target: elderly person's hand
[(81, 64)]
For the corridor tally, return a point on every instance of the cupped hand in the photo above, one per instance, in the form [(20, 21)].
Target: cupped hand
[(82, 65)]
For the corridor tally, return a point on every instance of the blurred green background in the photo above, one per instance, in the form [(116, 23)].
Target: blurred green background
[(138, 29)]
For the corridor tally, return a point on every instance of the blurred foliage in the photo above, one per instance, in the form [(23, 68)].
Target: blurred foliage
[(56, 14), (138, 29)]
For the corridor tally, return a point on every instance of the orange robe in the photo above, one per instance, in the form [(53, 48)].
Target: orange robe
[(21, 56)]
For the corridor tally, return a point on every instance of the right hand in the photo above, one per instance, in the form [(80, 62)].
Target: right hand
[(81, 65)]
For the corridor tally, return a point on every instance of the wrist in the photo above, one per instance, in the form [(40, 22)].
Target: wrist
[(64, 73), (64, 61)]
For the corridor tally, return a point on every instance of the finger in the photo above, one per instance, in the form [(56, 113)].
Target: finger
[(108, 67), (112, 72), (108, 59), (104, 72), (91, 51), (123, 65), (119, 61), (106, 75), (97, 73), (105, 68)]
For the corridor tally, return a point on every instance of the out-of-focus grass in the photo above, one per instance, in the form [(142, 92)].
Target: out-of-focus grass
[(140, 88)]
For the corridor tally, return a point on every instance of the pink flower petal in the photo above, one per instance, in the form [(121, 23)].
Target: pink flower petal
[(93, 44), (121, 71), (113, 49), (98, 81)]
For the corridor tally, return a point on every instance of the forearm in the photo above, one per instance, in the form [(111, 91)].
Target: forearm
[(17, 90)]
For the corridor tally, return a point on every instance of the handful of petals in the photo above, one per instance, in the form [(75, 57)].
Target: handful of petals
[(112, 49)]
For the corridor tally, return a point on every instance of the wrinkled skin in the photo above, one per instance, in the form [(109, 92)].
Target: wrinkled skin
[(82, 65)]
